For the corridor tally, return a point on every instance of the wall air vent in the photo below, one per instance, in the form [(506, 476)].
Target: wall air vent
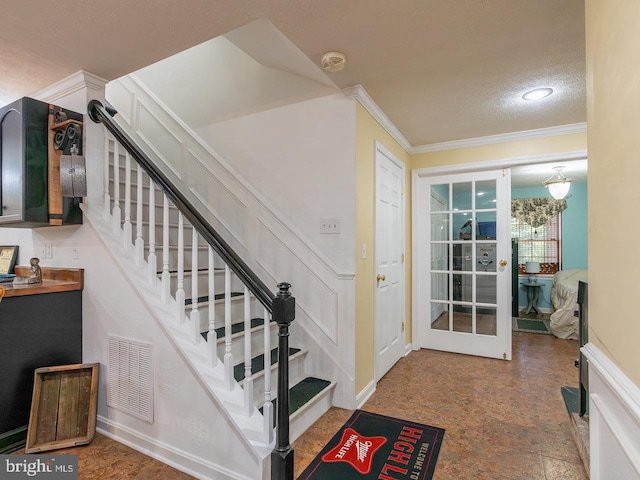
[(130, 378)]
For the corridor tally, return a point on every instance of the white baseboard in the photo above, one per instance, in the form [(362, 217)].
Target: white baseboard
[(408, 348), (614, 419), (365, 394), (180, 460)]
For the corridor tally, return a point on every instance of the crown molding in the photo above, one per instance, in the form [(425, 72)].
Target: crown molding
[(359, 93), (502, 138), (68, 85)]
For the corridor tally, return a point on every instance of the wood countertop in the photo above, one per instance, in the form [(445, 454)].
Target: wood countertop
[(53, 280)]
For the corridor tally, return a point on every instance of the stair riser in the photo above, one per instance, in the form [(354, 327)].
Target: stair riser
[(296, 374), (203, 283), (237, 312), (307, 415), (159, 213), (257, 343), (203, 258)]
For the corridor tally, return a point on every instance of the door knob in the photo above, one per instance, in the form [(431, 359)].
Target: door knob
[(380, 277), (503, 263)]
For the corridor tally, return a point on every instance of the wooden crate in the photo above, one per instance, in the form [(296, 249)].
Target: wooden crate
[(63, 408)]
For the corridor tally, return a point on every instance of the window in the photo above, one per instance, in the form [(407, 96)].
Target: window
[(541, 244)]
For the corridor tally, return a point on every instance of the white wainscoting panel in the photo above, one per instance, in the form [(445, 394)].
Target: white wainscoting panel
[(313, 295), (159, 138), (272, 244), (218, 199), (614, 419)]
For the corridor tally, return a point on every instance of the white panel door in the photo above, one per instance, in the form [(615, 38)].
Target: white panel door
[(389, 281), (463, 281)]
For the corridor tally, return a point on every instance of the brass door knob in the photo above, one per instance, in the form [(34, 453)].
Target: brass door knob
[(380, 277), (503, 263)]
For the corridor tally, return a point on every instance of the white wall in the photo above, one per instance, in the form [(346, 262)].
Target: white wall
[(300, 157), (276, 247), (190, 430)]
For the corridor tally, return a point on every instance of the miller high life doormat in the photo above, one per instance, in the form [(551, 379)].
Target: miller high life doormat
[(372, 446)]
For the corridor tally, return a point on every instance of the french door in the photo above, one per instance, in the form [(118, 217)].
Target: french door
[(463, 281)]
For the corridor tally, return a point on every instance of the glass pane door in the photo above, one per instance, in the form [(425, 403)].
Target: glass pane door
[(464, 274)]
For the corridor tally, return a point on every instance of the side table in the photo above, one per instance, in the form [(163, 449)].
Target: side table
[(533, 293)]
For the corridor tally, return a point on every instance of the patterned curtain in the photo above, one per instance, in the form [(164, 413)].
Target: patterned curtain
[(536, 211)]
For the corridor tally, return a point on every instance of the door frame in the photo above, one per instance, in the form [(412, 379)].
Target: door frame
[(381, 149), (419, 173)]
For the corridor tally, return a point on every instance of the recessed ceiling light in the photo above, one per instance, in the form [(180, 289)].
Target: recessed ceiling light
[(537, 93)]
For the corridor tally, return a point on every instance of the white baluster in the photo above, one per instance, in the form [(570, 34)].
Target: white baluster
[(107, 198), (180, 290), (267, 409), (152, 261), (166, 276), (212, 338), (116, 190), (228, 356), (139, 240), (248, 377), (126, 237), (195, 312)]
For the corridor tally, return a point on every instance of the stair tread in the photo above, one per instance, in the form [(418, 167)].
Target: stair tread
[(257, 363), (235, 328), (301, 393)]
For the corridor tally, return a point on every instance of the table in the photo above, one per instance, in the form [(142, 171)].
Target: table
[(533, 293)]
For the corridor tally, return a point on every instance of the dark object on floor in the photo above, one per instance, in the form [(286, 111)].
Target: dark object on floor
[(571, 397), (372, 446), (529, 325)]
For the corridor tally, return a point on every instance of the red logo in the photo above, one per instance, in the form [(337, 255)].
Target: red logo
[(355, 450)]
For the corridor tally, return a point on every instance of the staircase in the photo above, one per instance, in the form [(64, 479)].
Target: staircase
[(206, 299)]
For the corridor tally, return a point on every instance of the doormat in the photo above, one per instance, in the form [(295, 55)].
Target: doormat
[(531, 325), (372, 446)]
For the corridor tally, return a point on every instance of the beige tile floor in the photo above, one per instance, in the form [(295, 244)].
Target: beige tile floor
[(503, 420)]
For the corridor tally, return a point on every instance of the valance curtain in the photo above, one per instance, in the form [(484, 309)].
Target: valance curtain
[(536, 211)]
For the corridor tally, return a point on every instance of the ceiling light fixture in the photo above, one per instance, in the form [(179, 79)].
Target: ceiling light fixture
[(333, 61), (537, 94), (558, 184)]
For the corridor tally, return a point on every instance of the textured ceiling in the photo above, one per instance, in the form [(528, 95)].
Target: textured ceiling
[(441, 70)]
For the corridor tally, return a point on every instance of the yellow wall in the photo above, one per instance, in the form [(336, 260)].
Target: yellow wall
[(368, 131), (613, 115), (522, 148)]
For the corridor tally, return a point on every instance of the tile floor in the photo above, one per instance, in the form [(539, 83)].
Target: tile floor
[(503, 420)]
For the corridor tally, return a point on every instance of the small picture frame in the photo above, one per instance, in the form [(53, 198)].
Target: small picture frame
[(8, 257)]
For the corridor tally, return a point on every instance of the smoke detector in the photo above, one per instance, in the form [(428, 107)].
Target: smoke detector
[(333, 61)]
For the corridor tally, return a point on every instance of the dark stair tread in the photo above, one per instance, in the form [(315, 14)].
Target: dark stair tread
[(217, 296), (300, 394), (235, 328), (190, 270), (257, 363)]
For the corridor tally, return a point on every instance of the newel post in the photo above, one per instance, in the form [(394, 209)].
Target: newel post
[(284, 311)]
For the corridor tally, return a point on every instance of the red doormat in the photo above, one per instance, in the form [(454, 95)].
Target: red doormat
[(372, 446)]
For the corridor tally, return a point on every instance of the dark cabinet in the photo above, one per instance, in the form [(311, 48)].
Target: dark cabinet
[(41, 326), (26, 151)]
